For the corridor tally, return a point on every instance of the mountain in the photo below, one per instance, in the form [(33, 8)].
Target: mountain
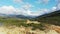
[(22, 16), (15, 16), (51, 18)]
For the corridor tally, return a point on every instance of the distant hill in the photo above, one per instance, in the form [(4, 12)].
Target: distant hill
[(23, 17), (51, 18), (15, 16)]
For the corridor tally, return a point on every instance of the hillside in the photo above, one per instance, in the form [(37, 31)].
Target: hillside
[(51, 18)]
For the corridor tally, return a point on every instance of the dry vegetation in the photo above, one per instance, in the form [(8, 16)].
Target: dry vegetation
[(24, 30), (19, 26)]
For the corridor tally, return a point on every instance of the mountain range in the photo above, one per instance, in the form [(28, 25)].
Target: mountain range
[(16, 16)]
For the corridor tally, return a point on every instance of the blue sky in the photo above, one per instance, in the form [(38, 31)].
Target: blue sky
[(27, 7), (35, 3)]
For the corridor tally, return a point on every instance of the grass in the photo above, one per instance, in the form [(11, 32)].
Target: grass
[(19, 22)]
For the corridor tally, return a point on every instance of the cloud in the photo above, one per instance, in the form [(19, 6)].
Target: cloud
[(7, 9), (58, 6), (42, 1), (11, 10), (44, 11), (18, 1), (27, 6), (45, 1), (38, 1), (54, 8)]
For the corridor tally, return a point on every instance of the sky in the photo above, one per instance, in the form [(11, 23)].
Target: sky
[(28, 7)]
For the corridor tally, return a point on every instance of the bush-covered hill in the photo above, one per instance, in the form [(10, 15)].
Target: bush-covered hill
[(51, 18)]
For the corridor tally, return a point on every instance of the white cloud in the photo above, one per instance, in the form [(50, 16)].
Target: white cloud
[(45, 1), (18, 1), (38, 1), (11, 10), (54, 8), (30, 13), (43, 11), (58, 6), (57, 0), (27, 6), (7, 9), (42, 1)]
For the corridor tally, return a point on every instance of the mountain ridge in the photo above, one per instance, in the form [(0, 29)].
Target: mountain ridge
[(51, 18)]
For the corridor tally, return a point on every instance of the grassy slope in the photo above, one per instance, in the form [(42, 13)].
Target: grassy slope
[(52, 18)]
